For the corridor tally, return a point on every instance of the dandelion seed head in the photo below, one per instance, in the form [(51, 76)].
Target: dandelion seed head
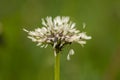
[(57, 32)]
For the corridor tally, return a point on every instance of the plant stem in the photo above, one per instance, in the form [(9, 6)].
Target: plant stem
[(57, 66)]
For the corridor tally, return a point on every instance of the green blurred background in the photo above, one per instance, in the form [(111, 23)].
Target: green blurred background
[(21, 59)]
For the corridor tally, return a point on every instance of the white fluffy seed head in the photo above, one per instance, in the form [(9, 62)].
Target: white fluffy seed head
[(57, 32)]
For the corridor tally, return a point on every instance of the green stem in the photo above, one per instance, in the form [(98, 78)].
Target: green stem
[(57, 66)]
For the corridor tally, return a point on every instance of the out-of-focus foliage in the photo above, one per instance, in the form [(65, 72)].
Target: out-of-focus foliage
[(20, 59)]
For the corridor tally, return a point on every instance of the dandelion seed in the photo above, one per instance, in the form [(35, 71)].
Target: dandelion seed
[(84, 25), (71, 52), (25, 30)]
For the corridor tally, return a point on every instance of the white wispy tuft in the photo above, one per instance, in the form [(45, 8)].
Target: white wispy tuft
[(71, 52), (57, 32)]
